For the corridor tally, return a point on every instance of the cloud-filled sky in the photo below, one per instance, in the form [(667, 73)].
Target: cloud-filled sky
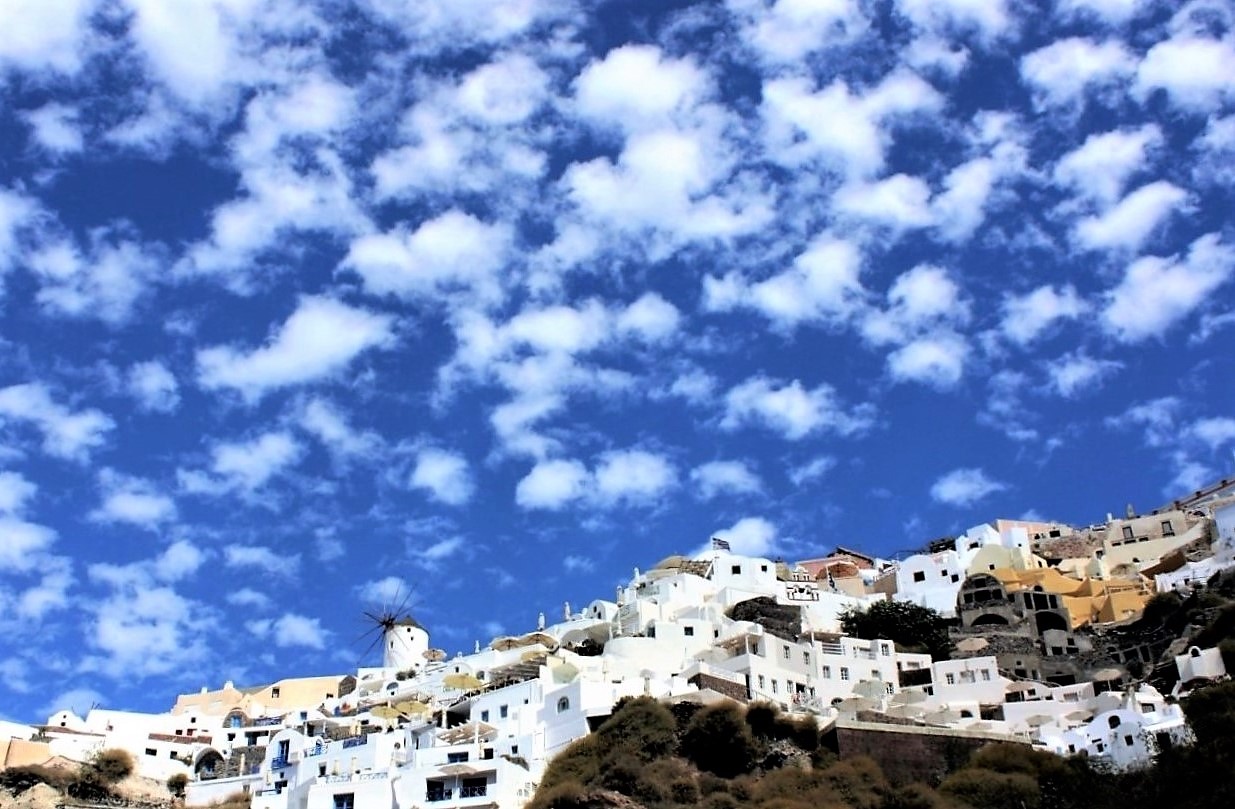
[(306, 305)]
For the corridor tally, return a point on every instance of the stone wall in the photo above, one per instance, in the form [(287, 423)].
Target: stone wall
[(908, 754)]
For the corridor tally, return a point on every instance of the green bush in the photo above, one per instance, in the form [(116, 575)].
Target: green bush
[(579, 763), (642, 727), (719, 741), (176, 784), (112, 765), (565, 795), (986, 789)]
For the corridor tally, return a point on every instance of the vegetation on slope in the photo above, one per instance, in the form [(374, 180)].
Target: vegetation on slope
[(727, 756)]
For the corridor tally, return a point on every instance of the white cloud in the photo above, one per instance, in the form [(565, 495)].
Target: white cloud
[(937, 360), (291, 630), (1026, 317), (179, 560), (635, 86), (444, 474), (432, 556), (1076, 373), (988, 18), (319, 340), (788, 30), (1196, 72), (142, 629), (552, 484), (17, 212), (452, 253), (1099, 168), (1112, 12), (1157, 292), (15, 490), (899, 202), (328, 423), (920, 300), (24, 543), (963, 487), (56, 128), (811, 470), (651, 317), (1133, 220), (44, 34), (132, 501), (1061, 72), (577, 564), (633, 476), (725, 477), (823, 284), (286, 565), (847, 133), (244, 466), (790, 409), (154, 387), (1213, 432), (749, 536), (104, 282), (390, 592), (249, 598), (66, 434)]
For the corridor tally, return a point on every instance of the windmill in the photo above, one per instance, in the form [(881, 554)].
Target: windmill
[(404, 641)]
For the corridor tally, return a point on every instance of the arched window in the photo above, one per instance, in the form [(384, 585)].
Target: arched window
[(563, 705), (1113, 721)]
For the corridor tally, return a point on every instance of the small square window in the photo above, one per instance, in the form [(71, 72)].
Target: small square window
[(827, 672), (919, 575), (689, 631), (844, 673), (736, 570), (951, 678), (503, 711), (274, 692)]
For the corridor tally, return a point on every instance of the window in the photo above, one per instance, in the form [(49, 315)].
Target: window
[(775, 687), (951, 678), (806, 658), (919, 575), (150, 751), (1167, 529), (885, 649), (762, 682), (986, 675), (1113, 722), (484, 716), (827, 672), (1127, 532), (887, 687), (786, 652), (345, 800), (563, 705), (736, 570), (689, 631), (274, 692), (503, 711), (456, 758), (1128, 740), (844, 672), (967, 676), (321, 770)]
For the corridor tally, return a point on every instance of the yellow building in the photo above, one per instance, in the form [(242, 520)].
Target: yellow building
[(1088, 601), (293, 694)]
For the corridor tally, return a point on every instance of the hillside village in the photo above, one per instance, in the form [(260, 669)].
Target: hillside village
[(1070, 640)]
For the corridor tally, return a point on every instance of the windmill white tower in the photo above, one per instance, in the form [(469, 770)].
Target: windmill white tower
[(404, 641)]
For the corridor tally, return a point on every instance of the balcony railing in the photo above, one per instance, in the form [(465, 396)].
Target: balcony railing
[(473, 792), (436, 795), (278, 763), (355, 741)]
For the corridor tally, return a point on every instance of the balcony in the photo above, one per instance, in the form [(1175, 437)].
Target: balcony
[(438, 795), (279, 763), (474, 792)]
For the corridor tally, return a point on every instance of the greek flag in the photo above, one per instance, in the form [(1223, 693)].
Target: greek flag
[(720, 544)]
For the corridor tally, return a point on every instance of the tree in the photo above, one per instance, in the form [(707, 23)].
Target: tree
[(908, 625), (719, 741), (112, 765), (177, 783)]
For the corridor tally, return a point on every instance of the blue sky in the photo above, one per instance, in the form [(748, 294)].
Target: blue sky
[(309, 303)]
